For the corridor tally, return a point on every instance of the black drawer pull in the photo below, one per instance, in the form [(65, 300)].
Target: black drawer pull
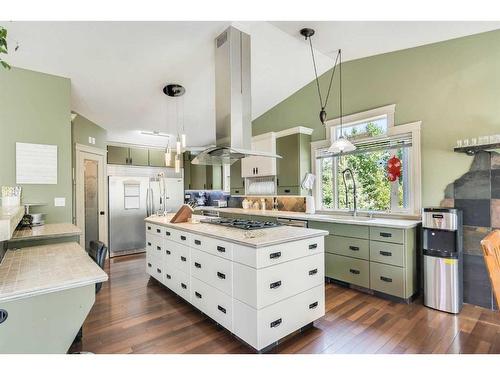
[(184, 286), (158, 248), (158, 270), (386, 253), (197, 294), (275, 285), (276, 323), (149, 264), (385, 234), (275, 255), (168, 252), (220, 275), (149, 243), (220, 308), (313, 272), (355, 272), (287, 190), (197, 265), (167, 233), (183, 238), (149, 228), (313, 305), (3, 315), (313, 246), (221, 249), (197, 242), (386, 279), (158, 231), (168, 276), (183, 259), (354, 248)]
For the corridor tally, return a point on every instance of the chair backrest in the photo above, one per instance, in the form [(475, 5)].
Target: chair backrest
[(491, 251), (98, 252)]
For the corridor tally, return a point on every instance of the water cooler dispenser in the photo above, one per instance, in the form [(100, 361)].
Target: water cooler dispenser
[(442, 246)]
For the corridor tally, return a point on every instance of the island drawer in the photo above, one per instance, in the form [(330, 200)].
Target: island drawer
[(339, 229), (217, 272), (180, 256), (261, 328), (347, 246), (394, 235), (387, 279), (153, 229), (182, 284), (170, 277), (384, 252), (347, 269), (276, 254), (213, 246), (263, 287), (212, 302), (178, 236)]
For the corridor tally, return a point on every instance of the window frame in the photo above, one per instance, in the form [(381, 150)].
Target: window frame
[(414, 159)]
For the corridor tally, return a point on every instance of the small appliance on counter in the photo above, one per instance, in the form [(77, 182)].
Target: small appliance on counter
[(442, 247), (308, 184), (221, 203), (32, 219)]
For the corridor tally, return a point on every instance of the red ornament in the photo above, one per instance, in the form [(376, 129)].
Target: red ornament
[(393, 168)]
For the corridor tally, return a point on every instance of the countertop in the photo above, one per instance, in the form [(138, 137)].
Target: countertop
[(262, 237), (46, 231), (37, 270), (9, 218), (377, 222)]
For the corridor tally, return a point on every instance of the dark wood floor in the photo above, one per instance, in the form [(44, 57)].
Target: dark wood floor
[(134, 314)]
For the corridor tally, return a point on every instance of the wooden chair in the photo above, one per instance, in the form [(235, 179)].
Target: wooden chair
[(491, 251)]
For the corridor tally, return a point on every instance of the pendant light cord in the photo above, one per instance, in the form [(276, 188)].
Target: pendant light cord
[(340, 89), (317, 79)]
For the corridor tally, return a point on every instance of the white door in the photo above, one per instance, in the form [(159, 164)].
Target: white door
[(91, 195)]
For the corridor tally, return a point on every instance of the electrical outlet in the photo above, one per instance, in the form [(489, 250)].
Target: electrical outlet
[(59, 202)]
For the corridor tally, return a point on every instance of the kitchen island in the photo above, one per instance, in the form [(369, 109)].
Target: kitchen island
[(261, 285)]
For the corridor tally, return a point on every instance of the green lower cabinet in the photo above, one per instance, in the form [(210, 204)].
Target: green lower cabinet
[(345, 230), (264, 218), (394, 235), (388, 253), (352, 247), (387, 279), (347, 269)]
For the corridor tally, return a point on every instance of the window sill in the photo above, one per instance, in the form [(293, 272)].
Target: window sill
[(375, 214)]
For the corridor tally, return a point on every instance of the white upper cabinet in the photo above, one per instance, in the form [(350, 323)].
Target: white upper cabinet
[(258, 166)]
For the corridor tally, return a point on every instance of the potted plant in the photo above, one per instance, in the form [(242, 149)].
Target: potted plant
[(3, 47)]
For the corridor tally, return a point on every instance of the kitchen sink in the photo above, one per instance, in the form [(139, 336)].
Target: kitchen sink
[(341, 217)]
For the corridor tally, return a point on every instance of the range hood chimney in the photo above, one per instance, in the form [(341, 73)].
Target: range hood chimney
[(233, 102)]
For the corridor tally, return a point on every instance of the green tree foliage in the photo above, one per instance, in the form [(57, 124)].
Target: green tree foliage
[(3, 46)]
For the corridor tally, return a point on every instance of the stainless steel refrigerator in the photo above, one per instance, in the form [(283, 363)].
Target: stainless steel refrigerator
[(131, 200)]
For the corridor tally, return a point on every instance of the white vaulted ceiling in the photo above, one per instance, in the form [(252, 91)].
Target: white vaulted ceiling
[(118, 69)]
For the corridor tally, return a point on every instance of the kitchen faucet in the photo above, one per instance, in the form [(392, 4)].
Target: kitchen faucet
[(353, 190)]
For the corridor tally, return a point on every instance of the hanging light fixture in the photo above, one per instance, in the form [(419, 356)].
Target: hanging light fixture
[(175, 90), (168, 154), (177, 163), (341, 144)]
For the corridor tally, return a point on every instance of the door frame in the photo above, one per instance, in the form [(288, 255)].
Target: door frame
[(91, 153)]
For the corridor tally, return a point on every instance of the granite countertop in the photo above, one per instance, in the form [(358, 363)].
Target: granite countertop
[(9, 218), (377, 222), (262, 237), (37, 270), (46, 231)]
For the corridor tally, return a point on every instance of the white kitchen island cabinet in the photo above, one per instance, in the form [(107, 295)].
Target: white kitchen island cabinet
[(261, 288)]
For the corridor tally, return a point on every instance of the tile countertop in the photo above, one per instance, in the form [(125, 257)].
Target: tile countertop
[(262, 237), (46, 231), (377, 222), (37, 270), (9, 218)]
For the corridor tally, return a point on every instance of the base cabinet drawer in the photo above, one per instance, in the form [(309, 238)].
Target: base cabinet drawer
[(170, 278), (213, 246), (263, 287), (212, 302), (387, 279), (388, 253), (180, 257), (261, 328), (347, 246), (394, 235), (213, 270), (182, 284), (349, 270)]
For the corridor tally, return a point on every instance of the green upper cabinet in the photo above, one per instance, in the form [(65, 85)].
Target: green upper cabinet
[(186, 160), (214, 177), (237, 182), (118, 155), (139, 156), (201, 177), (157, 158), (295, 150)]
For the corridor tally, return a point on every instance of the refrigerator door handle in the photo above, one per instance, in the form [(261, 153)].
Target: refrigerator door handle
[(153, 209), (147, 203)]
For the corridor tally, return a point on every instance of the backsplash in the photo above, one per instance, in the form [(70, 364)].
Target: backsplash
[(297, 204), (210, 195), (477, 194)]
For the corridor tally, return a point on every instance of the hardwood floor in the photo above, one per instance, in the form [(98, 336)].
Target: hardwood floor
[(134, 314)]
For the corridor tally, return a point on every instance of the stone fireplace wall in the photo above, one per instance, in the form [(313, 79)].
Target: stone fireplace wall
[(477, 194)]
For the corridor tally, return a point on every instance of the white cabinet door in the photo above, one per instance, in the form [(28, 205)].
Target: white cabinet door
[(257, 166)]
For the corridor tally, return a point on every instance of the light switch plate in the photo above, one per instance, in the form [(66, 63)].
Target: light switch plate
[(59, 202)]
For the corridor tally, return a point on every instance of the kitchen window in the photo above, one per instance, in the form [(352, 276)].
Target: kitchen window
[(376, 140)]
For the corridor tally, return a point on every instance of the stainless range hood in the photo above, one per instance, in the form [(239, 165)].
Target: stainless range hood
[(233, 102)]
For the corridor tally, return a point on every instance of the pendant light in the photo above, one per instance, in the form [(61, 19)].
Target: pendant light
[(341, 144), (175, 90), (168, 154)]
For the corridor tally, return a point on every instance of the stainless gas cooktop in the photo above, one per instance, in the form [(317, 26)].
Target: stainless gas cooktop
[(241, 224)]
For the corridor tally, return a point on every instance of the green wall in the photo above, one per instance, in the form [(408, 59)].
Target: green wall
[(452, 86), (83, 128), (35, 108)]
